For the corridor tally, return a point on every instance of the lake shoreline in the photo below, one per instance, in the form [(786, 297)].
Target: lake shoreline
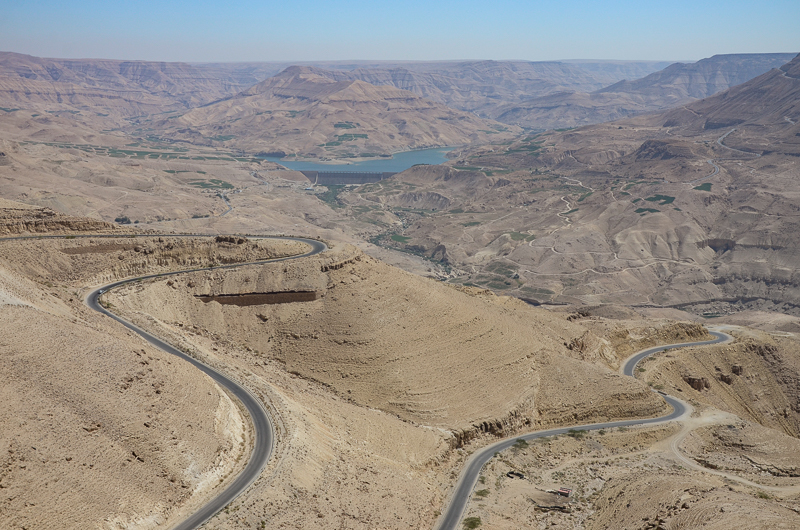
[(398, 162)]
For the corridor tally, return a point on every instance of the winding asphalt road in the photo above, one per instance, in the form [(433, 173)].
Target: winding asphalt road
[(450, 519), (701, 179), (264, 433)]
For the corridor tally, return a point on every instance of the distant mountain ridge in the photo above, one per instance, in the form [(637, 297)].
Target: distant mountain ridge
[(704, 78), (481, 86), (764, 111), (678, 84), (302, 110), (135, 88)]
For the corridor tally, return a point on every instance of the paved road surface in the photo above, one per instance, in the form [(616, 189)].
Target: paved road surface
[(264, 434), (451, 518), (716, 170)]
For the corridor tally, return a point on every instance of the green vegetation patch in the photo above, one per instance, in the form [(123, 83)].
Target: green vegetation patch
[(502, 269), (400, 239), (578, 435), (344, 125), (482, 493), (571, 211), (493, 172), (4, 109), (472, 223), (705, 186), (519, 236), (530, 148), (212, 184), (360, 210), (585, 196), (471, 523), (520, 444), (646, 210), (537, 291), (331, 197), (632, 184), (349, 137), (662, 200)]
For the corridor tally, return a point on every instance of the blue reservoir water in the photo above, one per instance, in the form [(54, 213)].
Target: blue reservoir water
[(399, 162)]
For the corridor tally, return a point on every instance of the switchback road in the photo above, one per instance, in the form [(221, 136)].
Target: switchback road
[(451, 517), (264, 435)]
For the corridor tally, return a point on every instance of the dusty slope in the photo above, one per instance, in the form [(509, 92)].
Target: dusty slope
[(747, 450), (99, 429), (167, 190), (711, 470), (571, 109), (481, 86), (384, 338), (300, 111), (19, 218), (338, 460)]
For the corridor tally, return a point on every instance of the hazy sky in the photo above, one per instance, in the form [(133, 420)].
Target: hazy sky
[(297, 30)]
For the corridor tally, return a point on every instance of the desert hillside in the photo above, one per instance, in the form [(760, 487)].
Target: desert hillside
[(702, 79), (99, 429), (480, 86), (327, 369), (348, 359), (666, 211), (383, 337), (302, 112), (124, 88)]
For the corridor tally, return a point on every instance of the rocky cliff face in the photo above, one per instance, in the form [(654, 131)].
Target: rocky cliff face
[(20, 219), (756, 378)]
